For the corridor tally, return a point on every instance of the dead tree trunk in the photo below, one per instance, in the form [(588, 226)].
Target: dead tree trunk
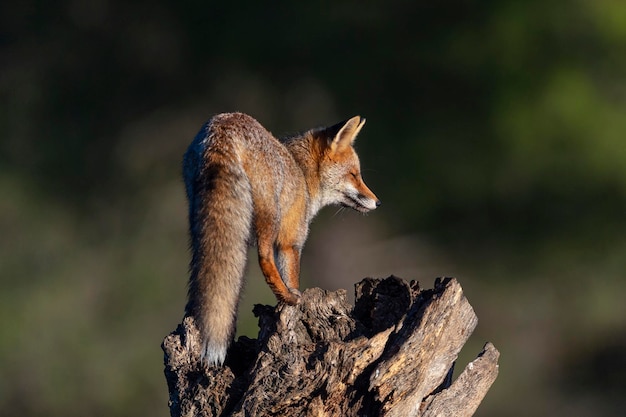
[(392, 354)]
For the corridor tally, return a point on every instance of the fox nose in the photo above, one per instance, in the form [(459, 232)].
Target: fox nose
[(378, 203)]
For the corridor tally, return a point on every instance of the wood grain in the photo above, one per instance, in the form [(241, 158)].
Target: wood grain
[(389, 355)]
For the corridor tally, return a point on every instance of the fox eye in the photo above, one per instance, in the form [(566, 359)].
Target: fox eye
[(354, 174)]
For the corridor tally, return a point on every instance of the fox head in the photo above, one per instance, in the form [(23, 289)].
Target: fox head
[(340, 171)]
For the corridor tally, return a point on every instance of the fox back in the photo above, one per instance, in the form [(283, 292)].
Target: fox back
[(245, 186)]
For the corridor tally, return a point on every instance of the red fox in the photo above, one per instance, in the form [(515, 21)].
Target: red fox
[(244, 186)]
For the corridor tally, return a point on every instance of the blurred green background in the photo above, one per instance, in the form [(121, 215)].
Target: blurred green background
[(495, 140)]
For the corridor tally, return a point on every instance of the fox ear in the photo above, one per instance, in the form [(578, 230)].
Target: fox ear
[(346, 134)]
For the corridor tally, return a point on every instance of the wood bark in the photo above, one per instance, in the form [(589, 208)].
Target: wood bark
[(392, 354)]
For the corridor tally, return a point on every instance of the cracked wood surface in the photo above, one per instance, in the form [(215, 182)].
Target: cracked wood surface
[(392, 354)]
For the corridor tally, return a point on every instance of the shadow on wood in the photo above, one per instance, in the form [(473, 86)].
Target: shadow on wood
[(391, 354)]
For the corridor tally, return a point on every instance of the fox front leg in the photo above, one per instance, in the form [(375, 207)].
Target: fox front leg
[(273, 276), (288, 259)]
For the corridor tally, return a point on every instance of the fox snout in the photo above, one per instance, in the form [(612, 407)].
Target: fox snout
[(361, 198), (365, 204)]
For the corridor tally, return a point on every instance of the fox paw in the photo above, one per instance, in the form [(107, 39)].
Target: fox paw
[(293, 297)]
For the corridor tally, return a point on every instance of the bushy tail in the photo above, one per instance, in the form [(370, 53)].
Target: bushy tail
[(220, 215)]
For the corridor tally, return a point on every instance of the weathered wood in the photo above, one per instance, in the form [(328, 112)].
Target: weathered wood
[(466, 393), (391, 354)]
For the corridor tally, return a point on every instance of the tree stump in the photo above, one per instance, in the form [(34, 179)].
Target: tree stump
[(392, 354)]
